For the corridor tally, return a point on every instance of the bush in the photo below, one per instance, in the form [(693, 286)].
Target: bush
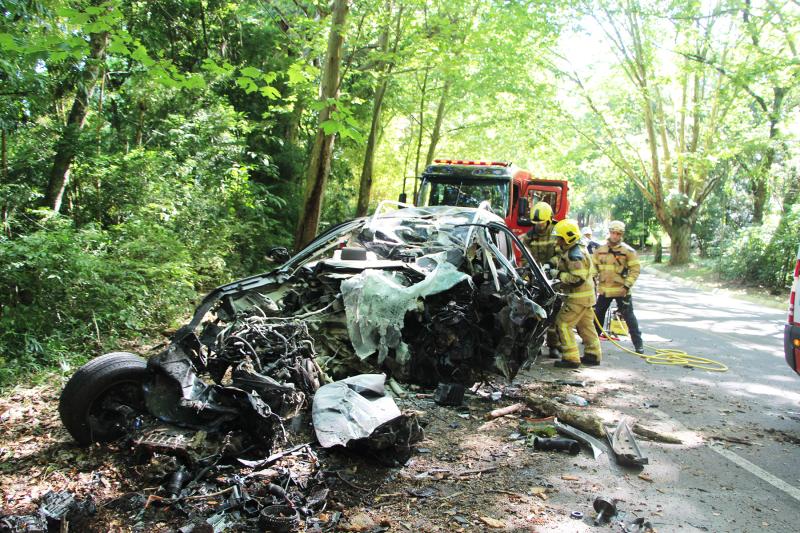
[(763, 255), (70, 293)]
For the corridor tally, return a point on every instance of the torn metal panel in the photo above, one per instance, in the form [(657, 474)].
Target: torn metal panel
[(577, 434), (624, 446), (351, 409)]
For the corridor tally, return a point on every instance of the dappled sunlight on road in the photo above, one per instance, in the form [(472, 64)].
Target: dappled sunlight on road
[(738, 326), (751, 390), (744, 389), (749, 346)]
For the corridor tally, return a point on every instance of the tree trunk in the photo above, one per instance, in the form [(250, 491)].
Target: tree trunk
[(140, 124), (658, 251), (365, 183), (4, 156), (758, 185), (422, 95), (437, 125), (67, 145), (320, 162), (680, 234)]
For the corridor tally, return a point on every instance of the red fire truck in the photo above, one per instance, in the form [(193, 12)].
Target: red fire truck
[(510, 190)]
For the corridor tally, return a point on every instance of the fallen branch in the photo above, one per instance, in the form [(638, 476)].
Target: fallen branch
[(476, 471), (734, 440), (503, 411), (653, 435), (581, 419)]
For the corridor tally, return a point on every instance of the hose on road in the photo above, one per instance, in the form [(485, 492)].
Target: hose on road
[(667, 356)]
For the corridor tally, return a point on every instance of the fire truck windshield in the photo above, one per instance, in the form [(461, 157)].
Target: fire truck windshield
[(465, 192)]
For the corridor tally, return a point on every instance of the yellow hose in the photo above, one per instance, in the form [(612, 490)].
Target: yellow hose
[(669, 356)]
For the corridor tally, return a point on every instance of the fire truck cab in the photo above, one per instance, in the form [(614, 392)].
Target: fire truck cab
[(511, 191)]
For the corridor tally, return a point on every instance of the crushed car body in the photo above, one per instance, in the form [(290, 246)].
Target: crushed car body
[(426, 295)]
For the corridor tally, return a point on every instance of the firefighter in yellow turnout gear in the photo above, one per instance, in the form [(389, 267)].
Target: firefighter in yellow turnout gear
[(617, 270), (575, 272), (541, 243)]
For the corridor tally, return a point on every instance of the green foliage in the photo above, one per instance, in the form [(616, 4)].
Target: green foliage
[(70, 292), (763, 255)]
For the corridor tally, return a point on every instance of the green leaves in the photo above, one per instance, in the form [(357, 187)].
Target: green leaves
[(252, 79)]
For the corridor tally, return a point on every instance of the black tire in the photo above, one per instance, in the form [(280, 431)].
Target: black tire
[(116, 376)]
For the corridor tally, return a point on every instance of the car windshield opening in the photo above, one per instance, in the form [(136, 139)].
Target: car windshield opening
[(466, 192)]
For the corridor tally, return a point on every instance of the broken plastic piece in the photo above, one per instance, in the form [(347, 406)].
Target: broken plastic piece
[(574, 399), (449, 394)]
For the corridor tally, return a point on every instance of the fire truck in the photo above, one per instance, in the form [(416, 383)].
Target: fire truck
[(511, 191)]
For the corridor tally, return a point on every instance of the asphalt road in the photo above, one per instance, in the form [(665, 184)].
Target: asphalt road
[(739, 467)]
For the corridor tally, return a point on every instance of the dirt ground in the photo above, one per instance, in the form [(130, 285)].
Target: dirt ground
[(468, 474)]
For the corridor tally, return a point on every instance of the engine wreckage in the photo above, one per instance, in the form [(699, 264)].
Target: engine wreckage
[(425, 295)]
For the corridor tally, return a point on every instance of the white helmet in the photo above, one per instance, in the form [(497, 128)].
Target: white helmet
[(617, 225)]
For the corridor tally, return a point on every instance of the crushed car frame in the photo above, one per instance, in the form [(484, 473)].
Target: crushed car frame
[(426, 295)]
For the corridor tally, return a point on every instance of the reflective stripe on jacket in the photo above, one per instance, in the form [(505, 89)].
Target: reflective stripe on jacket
[(617, 268), (542, 247), (575, 273)]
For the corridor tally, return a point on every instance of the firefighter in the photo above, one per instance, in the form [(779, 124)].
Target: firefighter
[(541, 243), (587, 241), (574, 269), (617, 267)]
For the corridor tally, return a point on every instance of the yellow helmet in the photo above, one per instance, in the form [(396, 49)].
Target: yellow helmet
[(617, 225), (542, 212), (568, 230)]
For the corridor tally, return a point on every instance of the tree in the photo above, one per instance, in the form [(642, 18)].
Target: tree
[(67, 144), (319, 164), (385, 67), (683, 117), (768, 73)]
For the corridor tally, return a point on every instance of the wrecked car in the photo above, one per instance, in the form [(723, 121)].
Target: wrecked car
[(426, 295)]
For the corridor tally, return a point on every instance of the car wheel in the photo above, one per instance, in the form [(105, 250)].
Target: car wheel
[(101, 398)]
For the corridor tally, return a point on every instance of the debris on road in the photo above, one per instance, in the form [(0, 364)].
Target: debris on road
[(582, 419), (57, 510), (557, 444), (450, 394), (605, 508), (657, 436), (571, 383), (538, 427), (575, 433), (574, 399), (624, 446), (504, 411)]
